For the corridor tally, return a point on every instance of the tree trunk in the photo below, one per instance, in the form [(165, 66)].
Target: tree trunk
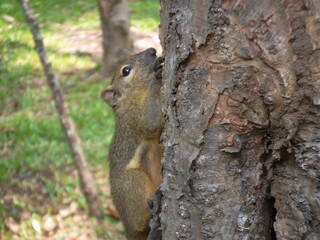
[(242, 139), (115, 24), (86, 179)]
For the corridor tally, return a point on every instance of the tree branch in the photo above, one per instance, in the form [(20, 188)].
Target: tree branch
[(87, 181)]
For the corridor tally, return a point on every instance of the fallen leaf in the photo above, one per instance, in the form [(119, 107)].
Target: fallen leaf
[(8, 18), (64, 212), (12, 225), (36, 225), (73, 207), (83, 237), (50, 224), (73, 235), (78, 218)]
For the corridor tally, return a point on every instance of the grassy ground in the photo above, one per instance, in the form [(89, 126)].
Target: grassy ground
[(37, 177)]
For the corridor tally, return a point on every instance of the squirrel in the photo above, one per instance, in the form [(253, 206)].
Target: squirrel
[(135, 154)]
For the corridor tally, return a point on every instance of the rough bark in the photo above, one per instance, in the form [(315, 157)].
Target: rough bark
[(87, 181), (115, 24), (241, 101)]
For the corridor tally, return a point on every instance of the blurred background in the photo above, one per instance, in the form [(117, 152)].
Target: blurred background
[(40, 195)]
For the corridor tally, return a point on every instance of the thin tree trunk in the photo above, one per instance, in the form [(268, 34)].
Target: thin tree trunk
[(115, 24), (241, 99), (87, 181)]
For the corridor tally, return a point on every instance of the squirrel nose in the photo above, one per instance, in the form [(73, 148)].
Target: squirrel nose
[(151, 51)]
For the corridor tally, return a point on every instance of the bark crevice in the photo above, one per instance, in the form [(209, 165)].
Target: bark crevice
[(273, 210)]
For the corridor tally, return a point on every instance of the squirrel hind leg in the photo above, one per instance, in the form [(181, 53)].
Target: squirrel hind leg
[(137, 235), (133, 207)]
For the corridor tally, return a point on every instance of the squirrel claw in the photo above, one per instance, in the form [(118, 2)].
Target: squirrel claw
[(157, 67)]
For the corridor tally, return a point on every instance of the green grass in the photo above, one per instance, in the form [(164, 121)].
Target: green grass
[(145, 14), (32, 143)]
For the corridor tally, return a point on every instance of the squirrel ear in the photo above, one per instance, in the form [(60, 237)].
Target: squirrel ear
[(110, 95)]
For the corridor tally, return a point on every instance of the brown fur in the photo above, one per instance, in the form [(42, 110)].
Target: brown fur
[(134, 152)]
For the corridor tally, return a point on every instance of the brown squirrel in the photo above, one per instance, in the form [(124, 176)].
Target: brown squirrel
[(135, 153)]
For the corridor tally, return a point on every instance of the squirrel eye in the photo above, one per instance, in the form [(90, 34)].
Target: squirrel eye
[(126, 71)]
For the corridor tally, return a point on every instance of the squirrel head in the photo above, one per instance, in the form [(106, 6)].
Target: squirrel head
[(133, 75)]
